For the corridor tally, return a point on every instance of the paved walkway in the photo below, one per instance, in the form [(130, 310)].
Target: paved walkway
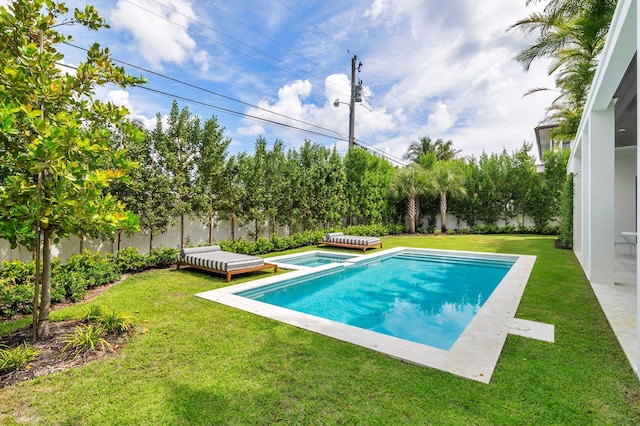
[(620, 304)]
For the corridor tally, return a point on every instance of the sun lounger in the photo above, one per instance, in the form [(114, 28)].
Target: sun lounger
[(338, 239), (213, 259)]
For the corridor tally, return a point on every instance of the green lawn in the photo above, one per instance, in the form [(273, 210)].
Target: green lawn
[(204, 363)]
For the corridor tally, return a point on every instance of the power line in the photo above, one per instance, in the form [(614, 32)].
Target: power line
[(317, 78), (222, 109), (315, 27), (378, 151), (252, 28), (209, 91), (362, 144), (242, 114)]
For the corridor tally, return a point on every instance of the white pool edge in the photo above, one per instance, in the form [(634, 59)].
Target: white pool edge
[(474, 355)]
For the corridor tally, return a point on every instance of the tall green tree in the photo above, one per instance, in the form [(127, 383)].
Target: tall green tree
[(252, 171), (232, 192), (572, 34), (367, 189), (546, 201), (178, 148), (56, 137), (411, 182), (148, 193), (447, 179), (524, 181), (212, 146), (321, 191), (277, 185)]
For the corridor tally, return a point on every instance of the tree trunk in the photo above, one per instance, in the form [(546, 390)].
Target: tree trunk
[(182, 230), (45, 298), (36, 290), (81, 243), (210, 215), (443, 211), (233, 227), (257, 227), (150, 240), (412, 215), (119, 241), (210, 228)]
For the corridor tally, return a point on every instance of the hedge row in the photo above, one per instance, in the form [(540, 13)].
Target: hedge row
[(74, 278), (308, 238), (494, 229)]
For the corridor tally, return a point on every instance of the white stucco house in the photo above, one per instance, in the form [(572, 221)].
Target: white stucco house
[(604, 160)]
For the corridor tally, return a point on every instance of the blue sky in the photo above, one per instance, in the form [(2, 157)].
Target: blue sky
[(434, 68)]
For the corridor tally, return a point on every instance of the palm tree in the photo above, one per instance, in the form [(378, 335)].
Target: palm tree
[(447, 179), (442, 150), (572, 33), (445, 151), (410, 182)]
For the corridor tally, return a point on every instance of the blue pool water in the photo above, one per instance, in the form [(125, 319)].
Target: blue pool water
[(315, 259), (424, 298)]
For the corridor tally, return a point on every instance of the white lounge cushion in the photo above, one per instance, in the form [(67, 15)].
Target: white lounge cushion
[(222, 260), (193, 250), (355, 240)]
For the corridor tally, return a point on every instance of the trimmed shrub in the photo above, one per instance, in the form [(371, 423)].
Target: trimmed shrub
[(17, 271), (15, 298), (73, 283), (263, 246), (130, 260), (96, 267), (161, 257)]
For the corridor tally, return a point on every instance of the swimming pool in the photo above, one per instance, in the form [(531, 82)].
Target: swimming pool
[(310, 259), (424, 298), (473, 353)]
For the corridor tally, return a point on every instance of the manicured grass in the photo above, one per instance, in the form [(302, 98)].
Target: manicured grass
[(204, 363)]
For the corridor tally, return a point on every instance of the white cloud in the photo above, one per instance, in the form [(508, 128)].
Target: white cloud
[(122, 98), (253, 130), (451, 62), (160, 33), (440, 120), (294, 110)]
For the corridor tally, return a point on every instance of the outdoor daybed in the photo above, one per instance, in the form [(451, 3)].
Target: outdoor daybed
[(338, 239), (213, 259)]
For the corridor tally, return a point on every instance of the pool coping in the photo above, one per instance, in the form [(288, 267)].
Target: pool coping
[(474, 355), (284, 265)]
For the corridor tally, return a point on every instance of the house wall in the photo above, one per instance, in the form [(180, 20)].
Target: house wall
[(625, 194)]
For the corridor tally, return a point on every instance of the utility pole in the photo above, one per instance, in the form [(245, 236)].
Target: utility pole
[(352, 104), (356, 96)]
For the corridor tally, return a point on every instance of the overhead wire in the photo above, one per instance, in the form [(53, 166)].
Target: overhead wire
[(226, 110), (186, 28), (315, 27), (379, 151), (252, 28), (209, 91), (360, 143)]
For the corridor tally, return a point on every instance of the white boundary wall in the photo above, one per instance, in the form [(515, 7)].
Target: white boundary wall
[(194, 230)]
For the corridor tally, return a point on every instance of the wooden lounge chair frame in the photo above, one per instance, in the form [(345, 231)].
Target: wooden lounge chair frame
[(228, 274)]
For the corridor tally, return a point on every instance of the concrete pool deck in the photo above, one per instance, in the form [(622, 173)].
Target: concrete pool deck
[(474, 355)]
